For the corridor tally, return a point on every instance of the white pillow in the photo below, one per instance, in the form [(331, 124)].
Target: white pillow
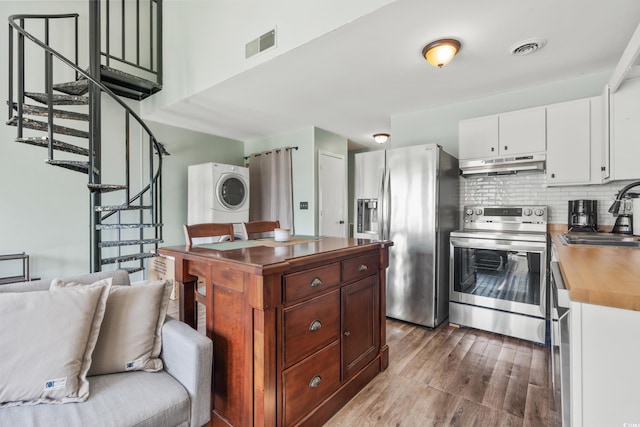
[(131, 333), (46, 342)]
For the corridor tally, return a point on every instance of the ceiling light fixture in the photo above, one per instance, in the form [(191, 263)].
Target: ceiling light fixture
[(381, 138), (440, 52)]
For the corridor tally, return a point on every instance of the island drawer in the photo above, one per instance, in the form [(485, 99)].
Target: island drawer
[(311, 282), (360, 266), (308, 383), (310, 326)]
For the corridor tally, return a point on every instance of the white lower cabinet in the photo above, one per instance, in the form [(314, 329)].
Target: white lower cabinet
[(605, 366)]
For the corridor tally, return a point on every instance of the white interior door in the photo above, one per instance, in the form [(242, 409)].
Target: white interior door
[(332, 194)]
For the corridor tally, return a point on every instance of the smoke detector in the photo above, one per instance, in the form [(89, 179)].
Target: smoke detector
[(527, 47)]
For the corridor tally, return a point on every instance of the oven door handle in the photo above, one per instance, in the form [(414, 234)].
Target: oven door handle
[(507, 245)]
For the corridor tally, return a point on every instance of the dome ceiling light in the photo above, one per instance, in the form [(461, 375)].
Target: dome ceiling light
[(440, 52), (381, 138)]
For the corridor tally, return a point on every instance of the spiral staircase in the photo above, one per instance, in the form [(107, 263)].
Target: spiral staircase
[(61, 110)]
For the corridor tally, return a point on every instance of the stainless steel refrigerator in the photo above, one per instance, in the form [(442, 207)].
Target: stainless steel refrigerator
[(410, 195)]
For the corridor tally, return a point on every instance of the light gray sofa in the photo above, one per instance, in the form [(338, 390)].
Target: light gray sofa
[(177, 396)]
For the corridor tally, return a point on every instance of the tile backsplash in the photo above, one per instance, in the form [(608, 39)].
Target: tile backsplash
[(531, 189)]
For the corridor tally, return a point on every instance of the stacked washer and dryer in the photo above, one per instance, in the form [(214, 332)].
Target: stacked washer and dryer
[(218, 193)]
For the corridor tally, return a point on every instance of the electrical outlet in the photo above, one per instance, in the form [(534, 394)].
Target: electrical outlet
[(304, 205)]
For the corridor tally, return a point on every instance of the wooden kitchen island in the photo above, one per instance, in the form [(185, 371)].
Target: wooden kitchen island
[(298, 327)]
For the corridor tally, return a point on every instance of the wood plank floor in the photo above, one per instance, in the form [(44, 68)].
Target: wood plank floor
[(452, 376)]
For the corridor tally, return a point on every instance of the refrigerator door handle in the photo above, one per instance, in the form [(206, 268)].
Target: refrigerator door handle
[(385, 204), (381, 221)]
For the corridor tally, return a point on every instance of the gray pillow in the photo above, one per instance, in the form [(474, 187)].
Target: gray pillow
[(46, 342), (131, 334)]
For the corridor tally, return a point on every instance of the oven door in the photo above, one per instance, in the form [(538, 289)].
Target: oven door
[(499, 274)]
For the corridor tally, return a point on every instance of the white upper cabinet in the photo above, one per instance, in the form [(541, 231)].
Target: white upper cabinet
[(508, 134), (624, 128), (522, 132), (569, 143), (478, 138)]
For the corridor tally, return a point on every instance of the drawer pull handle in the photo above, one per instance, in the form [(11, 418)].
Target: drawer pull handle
[(347, 333), (315, 381), (315, 325), (363, 267), (315, 282)]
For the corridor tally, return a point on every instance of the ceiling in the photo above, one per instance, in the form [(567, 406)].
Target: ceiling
[(352, 80)]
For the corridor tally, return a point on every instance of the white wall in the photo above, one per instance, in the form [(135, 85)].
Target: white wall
[(204, 41)]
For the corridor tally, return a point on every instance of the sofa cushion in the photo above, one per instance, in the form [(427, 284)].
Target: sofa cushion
[(47, 339), (131, 334), (153, 399)]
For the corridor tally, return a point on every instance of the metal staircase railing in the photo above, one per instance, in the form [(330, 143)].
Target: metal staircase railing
[(123, 230)]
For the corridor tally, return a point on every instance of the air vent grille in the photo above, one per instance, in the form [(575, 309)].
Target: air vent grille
[(262, 43), (527, 47)]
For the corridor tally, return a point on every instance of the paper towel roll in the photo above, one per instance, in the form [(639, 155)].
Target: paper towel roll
[(636, 217)]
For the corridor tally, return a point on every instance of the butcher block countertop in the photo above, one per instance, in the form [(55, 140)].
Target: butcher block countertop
[(602, 275)]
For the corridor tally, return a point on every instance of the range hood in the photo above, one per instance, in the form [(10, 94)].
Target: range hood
[(503, 165)]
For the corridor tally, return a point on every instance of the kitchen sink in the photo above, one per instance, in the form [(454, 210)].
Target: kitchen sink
[(601, 239)]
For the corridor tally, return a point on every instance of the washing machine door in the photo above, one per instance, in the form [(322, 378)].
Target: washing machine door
[(232, 191)]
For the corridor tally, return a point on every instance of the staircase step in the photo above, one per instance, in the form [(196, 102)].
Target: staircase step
[(105, 188), (72, 165), (36, 110), (128, 85), (113, 243), (42, 126), (58, 99), (127, 258), (121, 208), (57, 145), (125, 226), (78, 87)]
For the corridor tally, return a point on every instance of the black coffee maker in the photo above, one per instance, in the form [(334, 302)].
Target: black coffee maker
[(583, 215)]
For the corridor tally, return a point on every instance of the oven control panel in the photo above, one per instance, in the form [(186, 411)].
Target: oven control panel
[(529, 214)]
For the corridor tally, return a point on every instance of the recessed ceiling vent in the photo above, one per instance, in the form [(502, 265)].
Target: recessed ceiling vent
[(527, 47), (262, 43)]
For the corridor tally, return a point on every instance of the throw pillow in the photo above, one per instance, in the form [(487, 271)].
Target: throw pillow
[(46, 342), (131, 333)]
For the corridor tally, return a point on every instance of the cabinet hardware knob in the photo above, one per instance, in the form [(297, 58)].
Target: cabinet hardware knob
[(315, 381), (362, 267), (493, 149), (315, 282), (341, 222), (347, 333), (553, 175), (315, 325), (506, 147)]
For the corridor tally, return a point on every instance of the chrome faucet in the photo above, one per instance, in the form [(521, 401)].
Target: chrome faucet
[(615, 207)]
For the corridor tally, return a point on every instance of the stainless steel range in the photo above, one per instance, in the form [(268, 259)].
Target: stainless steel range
[(498, 270)]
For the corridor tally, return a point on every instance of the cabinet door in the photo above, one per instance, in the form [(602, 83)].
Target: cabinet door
[(569, 143), (522, 132), (625, 131), (478, 138), (360, 324)]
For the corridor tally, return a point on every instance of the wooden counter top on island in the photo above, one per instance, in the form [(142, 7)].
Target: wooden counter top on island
[(298, 328), (601, 275)]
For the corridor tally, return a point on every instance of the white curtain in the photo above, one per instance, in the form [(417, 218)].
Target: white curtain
[(270, 187)]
